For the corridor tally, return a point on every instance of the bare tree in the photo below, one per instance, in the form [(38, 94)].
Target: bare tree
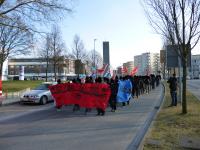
[(178, 22), (31, 15), (57, 47), (98, 59), (33, 12), (46, 53), (13, 41), (78, 49)]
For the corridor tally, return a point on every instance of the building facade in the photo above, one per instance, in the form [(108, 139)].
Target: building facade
[(195, 67), (129, 65), (35, 68), (106, 56), (106, 53), (147, 63)]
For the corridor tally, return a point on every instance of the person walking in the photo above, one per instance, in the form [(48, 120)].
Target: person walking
[(100, 111), (113, 96), (173, 85)]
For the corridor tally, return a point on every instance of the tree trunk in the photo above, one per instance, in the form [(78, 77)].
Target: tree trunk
[(55, 76), (184, 100), (47, 70), (1, 69)]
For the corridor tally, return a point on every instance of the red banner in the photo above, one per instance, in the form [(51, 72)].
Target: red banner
[(85, 95)]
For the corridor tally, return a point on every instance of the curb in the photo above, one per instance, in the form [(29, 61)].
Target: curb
[(9, 103), (138, 141), (4, 101)]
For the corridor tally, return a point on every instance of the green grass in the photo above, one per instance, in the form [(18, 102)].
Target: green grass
[(170, 124), (14, 86)]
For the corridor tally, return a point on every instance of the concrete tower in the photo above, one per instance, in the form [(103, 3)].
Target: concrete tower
[(106, 55), (106, 58)]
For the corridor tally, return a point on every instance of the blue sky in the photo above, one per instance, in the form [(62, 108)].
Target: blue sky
[(121, 22)]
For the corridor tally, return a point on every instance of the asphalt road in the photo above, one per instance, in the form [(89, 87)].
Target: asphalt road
[(194, 87), (16, 110), (48, 129)]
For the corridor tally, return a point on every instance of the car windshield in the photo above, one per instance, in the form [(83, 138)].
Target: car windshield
[(42, 87)]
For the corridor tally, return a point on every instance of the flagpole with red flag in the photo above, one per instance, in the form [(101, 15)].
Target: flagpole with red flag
[(134, 71)]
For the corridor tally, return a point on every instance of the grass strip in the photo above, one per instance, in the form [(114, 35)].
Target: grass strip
[(170, 124), (14, 86)]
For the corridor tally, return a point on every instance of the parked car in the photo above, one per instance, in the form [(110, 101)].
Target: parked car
[(40, 95)]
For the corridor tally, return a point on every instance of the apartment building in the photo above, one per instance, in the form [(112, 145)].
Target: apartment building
[(147, 63), (129, 65)]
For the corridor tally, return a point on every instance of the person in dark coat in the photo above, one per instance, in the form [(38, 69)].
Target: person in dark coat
[(88, 80), (99, 110), (173, 85), (113, 96)]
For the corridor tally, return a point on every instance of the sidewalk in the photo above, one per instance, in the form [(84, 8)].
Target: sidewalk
[(12, 97), (8, 101)]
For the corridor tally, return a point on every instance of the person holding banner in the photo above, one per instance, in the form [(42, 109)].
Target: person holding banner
[(88, 80), (76, 106), (100, 111), (58, 107)]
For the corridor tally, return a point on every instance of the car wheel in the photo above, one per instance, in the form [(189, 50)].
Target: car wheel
[(43, 100)]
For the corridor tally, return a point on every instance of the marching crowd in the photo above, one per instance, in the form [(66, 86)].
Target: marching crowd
[(122, 89)]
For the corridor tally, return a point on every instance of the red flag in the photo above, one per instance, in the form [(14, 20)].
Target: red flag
[(134, 71), (124, 70), (100, 71)]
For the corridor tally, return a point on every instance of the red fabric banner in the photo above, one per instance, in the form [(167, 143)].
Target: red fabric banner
[(89, 95)]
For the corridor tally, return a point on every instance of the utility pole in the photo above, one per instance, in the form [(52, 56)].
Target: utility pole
[(94, 55)]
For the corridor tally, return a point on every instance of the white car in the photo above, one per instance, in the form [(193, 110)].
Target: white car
[(40, 95)]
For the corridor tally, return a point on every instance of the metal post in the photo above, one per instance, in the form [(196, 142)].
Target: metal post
[(94, 56)]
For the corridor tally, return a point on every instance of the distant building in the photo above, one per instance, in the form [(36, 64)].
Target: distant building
[(147, 63), (119, 71), (106, 56), (138, 63), (129, 65), (35, 68), (195, 67), (106, 53)]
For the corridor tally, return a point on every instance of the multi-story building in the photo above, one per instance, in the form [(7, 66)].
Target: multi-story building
[(138, 63), (195, 67), (147, 63), (129, 65), (35, 68), (155, 63), (106, 56), (119, 71)]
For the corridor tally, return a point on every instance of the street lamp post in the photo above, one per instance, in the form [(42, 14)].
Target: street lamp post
[(94, 53)]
